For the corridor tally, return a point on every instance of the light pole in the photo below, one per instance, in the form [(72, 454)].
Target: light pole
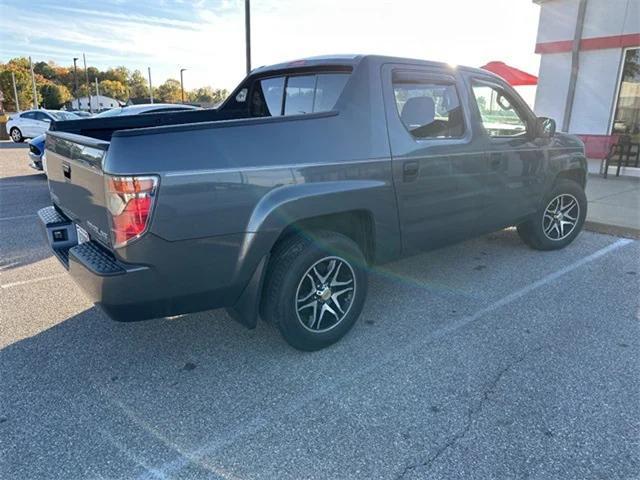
[(247, 32), (15, 91), (33, 82), (75, 81), (150, 86), (97, 95), (182, 83), (86, 76)]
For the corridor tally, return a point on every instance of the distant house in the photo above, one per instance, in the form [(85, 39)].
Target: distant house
[(98, 103)]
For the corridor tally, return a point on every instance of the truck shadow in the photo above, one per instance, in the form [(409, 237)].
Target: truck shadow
[(9, 145), (21, 242)]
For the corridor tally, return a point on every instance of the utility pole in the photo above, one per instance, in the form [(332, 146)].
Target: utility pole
[(182, 83), (15, 91), (150, 86), (247, 31), (97, 95), (33, 82), (75, 81), (86, 76)]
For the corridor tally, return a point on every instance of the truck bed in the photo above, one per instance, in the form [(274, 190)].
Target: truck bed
[(103, 128)]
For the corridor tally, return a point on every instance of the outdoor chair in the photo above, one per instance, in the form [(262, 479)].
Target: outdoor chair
[(625, 152)]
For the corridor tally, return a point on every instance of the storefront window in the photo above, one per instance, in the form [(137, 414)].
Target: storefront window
[(627, 117)]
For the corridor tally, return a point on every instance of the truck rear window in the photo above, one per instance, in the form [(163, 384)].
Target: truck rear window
[(296, 94)]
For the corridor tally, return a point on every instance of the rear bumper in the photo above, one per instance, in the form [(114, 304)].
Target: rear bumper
[(162, 287), (122, 290)]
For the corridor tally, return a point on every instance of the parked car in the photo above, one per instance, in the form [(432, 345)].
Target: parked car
[(31, 123), (81, 113), (276, 204), (146, 108), (36, 151)]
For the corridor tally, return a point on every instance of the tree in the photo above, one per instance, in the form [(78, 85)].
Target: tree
[(20, 68), (207, 95), (113, 89), (170, 91), (138, 87), (45, 69), (118, 74), (54, 96)]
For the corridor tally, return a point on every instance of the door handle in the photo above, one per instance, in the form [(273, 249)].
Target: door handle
[(66, 170), (410, 171)]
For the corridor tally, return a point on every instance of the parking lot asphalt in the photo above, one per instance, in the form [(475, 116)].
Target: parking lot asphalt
[(485, 359)]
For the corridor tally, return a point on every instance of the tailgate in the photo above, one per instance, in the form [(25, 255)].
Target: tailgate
[(76, 183)]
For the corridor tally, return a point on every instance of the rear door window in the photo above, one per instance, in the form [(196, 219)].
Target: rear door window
[(29, 115), (429, 109)]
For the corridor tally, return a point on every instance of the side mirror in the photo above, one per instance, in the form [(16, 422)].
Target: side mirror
[(545, 127), (46, 120)]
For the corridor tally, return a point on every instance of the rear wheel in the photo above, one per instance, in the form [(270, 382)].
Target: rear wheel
[(559, 220), (315, 289), (16, 135)]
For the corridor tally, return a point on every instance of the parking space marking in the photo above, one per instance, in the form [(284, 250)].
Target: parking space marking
[(32, 280), (256, 424), (19, 217)]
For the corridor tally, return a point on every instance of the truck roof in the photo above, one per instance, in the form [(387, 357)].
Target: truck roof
[(354, 59)]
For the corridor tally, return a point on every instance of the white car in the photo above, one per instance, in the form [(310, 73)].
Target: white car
[(145, 108), (32, 123)]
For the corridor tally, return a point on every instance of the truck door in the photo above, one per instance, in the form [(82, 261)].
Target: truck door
[(515, 158), (439, 168)]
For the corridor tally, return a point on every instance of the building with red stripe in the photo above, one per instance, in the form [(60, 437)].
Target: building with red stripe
[(589, 78)]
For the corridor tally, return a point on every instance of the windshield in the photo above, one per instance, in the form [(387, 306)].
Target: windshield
[(64, 115), (114, 112)]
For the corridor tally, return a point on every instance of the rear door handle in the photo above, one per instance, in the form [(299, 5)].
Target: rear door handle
[(410, 171), (66, 170), (495, 160)]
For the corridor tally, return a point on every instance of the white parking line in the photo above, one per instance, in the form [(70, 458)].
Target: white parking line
[(251, 426), (19, 217), (32, 280)]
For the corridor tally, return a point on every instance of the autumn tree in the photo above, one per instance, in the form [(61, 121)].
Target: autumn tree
[(170, 91), (113, 89), (54, 96)]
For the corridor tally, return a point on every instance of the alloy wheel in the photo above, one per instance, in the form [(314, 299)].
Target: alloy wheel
[(560, 217), (16, 136), (325, 294)]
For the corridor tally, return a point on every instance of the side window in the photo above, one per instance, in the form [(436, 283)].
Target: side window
[(429, 109), (500, 117), (266, 98), (29, 115), (43, 117)]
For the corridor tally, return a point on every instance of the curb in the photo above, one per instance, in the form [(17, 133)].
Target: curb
[(616, 230)]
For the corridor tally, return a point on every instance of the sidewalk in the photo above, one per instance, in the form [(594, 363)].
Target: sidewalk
[(614, 205)]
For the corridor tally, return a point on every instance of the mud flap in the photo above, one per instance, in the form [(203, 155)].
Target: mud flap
[(246, 308)]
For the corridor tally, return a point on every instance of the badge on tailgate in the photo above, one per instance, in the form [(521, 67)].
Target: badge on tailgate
[(83, 236)]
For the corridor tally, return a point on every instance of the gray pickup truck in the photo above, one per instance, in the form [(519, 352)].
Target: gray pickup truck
[(276, 204)]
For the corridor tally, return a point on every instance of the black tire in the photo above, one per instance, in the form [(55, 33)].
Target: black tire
[(16, 135), (287, 282), (532, 232)]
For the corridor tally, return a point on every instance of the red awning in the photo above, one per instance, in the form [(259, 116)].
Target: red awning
[(512, 75)]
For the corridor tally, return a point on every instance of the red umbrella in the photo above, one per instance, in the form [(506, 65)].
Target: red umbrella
[(512, 75)]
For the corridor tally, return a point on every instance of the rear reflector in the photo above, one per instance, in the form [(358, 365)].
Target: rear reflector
[(130, 202)]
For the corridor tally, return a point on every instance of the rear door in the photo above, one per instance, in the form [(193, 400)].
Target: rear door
[(515, 159), (438, 165), (41, 124)]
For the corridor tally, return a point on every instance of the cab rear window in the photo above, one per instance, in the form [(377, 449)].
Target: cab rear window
[(296, 94)]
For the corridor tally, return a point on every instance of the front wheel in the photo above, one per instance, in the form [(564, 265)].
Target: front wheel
[(16, 135), (560, 219), (316, 287)]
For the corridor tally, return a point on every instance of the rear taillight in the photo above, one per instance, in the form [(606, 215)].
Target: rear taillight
[(130, 203)]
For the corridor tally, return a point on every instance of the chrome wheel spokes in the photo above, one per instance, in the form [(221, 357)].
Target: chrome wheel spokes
[(325, 294), (560, 217)]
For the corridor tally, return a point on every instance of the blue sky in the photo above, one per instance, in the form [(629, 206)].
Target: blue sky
[(207, 36)]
